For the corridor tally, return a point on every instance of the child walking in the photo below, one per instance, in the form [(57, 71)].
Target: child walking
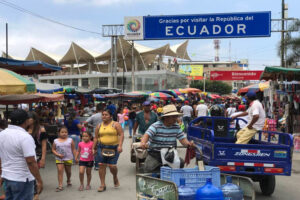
[(64, 150), (86, 161)]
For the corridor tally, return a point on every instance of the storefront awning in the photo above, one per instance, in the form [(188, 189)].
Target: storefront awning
[(274, 73)]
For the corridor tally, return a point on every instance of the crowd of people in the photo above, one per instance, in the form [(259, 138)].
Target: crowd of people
[(92, 136)]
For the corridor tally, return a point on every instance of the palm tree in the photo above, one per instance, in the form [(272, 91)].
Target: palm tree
[(292, 45)]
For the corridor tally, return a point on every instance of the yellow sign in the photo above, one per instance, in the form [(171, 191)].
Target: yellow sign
[(191, 70), (197, 70)]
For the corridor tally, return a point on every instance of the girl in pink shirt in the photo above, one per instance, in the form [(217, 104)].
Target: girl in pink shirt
[(86, 161)]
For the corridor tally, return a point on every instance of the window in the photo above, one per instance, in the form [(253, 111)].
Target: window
[(52, 81), (103, 82), (66, 82), (85, 82), (119, 81), (44, 81), (74, 82)]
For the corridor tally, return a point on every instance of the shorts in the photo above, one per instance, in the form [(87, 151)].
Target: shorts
[(108, 160), (86, 163), (65, 162)]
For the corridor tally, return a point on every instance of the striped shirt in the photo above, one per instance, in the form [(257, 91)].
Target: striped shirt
[(162, 136)]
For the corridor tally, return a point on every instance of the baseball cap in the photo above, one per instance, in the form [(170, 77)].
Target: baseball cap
[(146, 103), (251, 94), (242, 108), (202, 101), (186, 102)]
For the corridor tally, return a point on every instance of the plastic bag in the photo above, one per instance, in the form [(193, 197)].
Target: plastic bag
[(176, 161)]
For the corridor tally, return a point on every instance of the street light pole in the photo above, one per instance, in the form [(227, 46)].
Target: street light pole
[(282, 35)]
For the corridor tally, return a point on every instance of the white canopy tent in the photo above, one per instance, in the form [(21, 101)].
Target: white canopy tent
[(35, 54), (180, 50)]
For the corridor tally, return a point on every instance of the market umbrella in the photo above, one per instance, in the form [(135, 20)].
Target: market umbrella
[(255, 87), (180, 98), (161, 95), (176, 91), (135, 94), (12, 83), (189, 90), (154, 99)]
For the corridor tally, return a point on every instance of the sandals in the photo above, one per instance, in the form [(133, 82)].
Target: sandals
[(59, 189), (101, 188), (117, 183), (69, 184), (88, 187), (80, 188)]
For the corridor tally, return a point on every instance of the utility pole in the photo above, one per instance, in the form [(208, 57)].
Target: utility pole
[(282, 35), (132, 67), (6, 40)]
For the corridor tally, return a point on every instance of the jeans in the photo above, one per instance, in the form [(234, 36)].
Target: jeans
[(19, 190), (131, 124), (186, 120), (76, 139)]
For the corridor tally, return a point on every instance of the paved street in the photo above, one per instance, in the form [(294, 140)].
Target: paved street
[(286, 187)]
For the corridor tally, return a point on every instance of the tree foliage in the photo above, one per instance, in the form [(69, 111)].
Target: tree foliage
[(292, 45), (213, 86)]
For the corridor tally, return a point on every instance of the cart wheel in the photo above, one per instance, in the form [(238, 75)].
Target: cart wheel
[(267, 185)]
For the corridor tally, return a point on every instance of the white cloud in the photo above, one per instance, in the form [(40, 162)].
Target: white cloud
[(106, 2), (47, 37)]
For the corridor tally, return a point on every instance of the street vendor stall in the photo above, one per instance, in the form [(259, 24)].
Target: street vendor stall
[(283, 97)]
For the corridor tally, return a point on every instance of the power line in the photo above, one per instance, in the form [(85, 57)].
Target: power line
[(16, 7)]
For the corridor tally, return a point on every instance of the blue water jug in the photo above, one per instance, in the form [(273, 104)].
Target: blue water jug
[(185, 192), (231, 191), (209, 192)]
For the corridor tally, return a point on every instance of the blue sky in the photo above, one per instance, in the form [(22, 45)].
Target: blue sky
[(26, 31)]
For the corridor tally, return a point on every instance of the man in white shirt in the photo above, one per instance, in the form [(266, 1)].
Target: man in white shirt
[(187, 111), (201, 109), (230, 110), (19, 168), (257, 117)]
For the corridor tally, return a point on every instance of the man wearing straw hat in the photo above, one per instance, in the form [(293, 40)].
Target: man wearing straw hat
[(163, 134)]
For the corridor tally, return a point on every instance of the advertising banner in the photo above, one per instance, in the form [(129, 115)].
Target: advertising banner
[(191, 70), (234, 75), (198, 26)]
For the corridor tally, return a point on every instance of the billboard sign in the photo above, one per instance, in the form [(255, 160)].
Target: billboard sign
[(204, 26), (234, 75), (191, 70)]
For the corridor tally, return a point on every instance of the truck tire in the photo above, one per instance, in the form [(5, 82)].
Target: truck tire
[(267, 185)]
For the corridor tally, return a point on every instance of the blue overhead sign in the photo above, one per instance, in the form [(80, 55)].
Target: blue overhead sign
[(228, 25)]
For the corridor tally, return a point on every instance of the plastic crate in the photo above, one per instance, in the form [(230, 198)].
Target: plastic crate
[(193, 177)]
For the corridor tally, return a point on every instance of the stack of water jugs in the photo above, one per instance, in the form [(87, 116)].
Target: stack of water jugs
[(228, 191)]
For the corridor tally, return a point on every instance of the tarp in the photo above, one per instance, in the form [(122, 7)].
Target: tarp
[(48, 88), (273, 73), (35, 54), (27, 67), (30, 98)]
